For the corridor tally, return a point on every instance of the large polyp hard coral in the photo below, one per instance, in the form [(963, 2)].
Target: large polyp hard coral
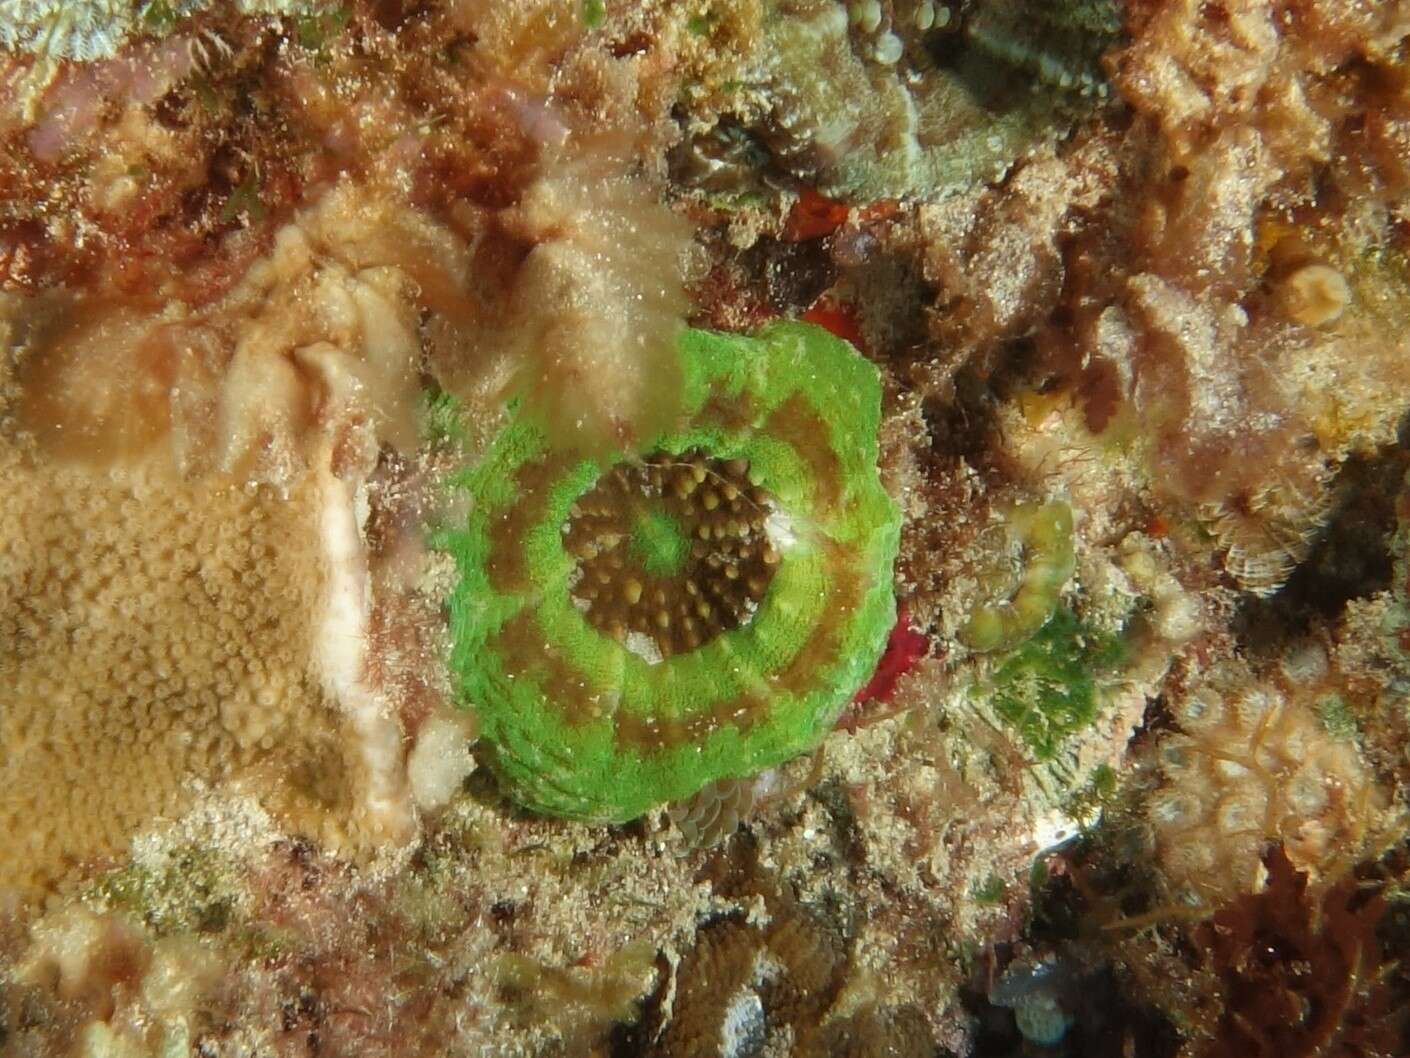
[(1255, 763), (703, 608)]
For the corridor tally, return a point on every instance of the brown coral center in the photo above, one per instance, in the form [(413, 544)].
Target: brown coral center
[(671, 551)]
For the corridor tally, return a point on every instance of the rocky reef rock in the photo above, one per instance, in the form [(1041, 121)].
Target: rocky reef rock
[(716, 528)]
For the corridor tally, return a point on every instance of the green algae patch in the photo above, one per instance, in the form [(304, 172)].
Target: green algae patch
[(629, 632), (1046, 691)]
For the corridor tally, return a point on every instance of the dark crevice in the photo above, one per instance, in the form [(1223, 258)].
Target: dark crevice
[(966, 425), (1351, 559)]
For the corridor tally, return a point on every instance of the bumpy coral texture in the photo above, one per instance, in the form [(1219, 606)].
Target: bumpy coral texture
[(155, 635), (613, 670), (870, 100), (303, 346), (1255, 764)]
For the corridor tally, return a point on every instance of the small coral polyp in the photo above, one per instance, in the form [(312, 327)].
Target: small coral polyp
[(1045, 534), (629, 632), (671, 551)]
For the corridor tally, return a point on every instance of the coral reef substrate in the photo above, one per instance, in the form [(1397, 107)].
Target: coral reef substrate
[(350, 349)]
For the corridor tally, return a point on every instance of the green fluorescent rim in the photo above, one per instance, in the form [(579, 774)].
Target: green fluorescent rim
[(556, 697)]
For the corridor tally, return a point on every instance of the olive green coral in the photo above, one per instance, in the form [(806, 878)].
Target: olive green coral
[(1045, 535), (703, 608)]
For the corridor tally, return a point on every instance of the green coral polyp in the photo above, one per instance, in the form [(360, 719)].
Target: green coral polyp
[(658, 543), (700, 610), (1045, 533)]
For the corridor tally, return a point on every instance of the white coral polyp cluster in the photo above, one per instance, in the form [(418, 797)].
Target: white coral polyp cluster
[(1254, 764)]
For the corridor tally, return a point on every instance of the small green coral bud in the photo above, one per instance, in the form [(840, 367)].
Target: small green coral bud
[(1045, 534), (629, 633)]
